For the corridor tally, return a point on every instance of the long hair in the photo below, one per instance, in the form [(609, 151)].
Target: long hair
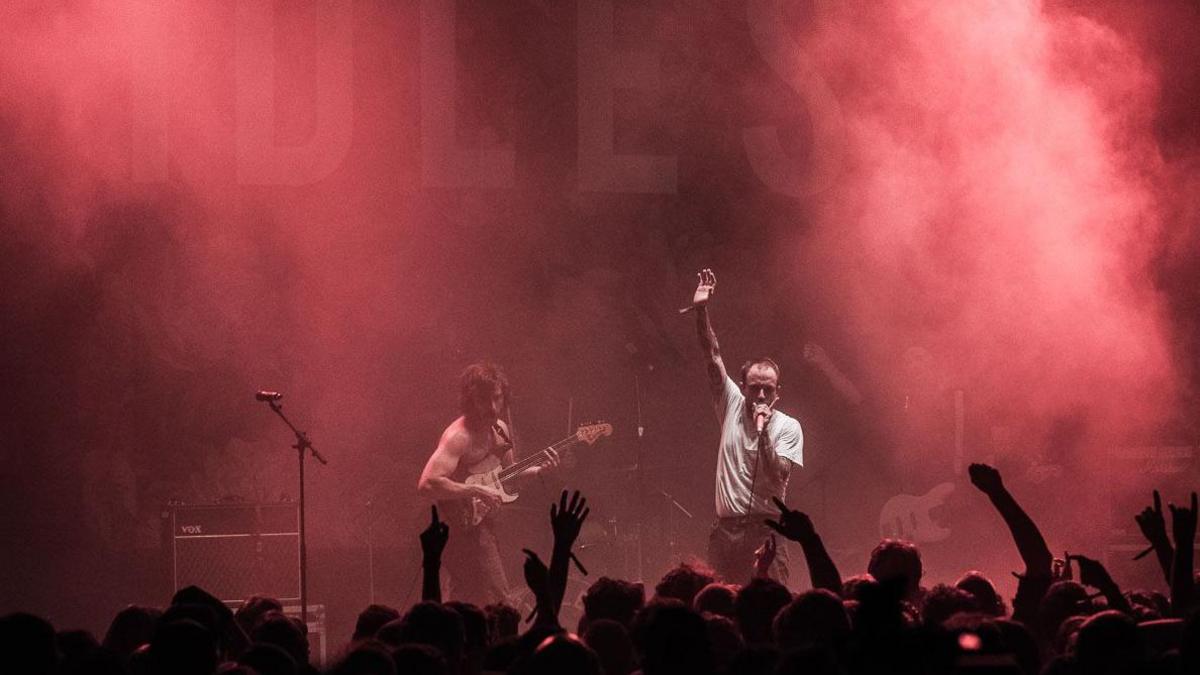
[(478, 379)]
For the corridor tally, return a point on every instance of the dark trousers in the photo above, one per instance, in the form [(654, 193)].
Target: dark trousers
[(472, 561), (731, 546)]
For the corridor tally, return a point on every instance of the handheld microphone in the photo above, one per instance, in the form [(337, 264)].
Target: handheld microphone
[(268, 396), (761, 411)]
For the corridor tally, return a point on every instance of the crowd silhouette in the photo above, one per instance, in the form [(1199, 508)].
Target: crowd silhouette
[(1068, 617)]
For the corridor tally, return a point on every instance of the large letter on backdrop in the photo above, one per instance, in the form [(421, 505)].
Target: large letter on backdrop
[(259, 160), (771, 164), (149, 91), (443, 162), (601, 70)]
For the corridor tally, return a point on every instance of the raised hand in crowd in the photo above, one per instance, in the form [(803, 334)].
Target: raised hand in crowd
[(1028, 538), (798, 527), (535, 572), (1060, 569), (1183, 522), (794, 525), (566, 520), (1093, 573), (536, 576), (433, 542), (763, 557), (1154, 528), (1183, 527), (986, 479), (1031, 545)]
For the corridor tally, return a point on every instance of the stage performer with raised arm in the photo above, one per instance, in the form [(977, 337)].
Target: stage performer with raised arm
[(758, 447), (472, 555)]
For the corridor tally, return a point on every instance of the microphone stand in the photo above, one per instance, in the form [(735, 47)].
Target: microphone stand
[(672, 524), (371, 550), (301, 445), (639, 461)]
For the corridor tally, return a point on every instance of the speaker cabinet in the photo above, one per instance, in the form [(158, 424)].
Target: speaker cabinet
[(1135, 472), (235, 551)]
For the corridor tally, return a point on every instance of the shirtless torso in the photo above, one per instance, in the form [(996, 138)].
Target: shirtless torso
[(472, 557)]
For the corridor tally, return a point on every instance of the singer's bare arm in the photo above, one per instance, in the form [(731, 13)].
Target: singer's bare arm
[(435, 482), (769, 456), (704, 331)]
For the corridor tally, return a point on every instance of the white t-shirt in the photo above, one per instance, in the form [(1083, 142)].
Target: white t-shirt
[(743, 488)]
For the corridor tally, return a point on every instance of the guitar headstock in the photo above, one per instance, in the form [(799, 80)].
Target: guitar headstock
[(590, 433)]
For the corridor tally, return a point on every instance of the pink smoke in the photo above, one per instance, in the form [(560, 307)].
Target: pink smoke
[(1000, 205)]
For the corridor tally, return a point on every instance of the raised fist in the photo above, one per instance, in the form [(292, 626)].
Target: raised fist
[(793, 525), (985, 478)]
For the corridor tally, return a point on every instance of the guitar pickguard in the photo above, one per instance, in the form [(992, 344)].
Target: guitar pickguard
[(486, 472)]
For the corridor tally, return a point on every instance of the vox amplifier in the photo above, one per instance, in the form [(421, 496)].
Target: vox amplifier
[(235, 551)]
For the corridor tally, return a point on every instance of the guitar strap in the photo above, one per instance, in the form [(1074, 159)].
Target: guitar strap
[(506, 443)]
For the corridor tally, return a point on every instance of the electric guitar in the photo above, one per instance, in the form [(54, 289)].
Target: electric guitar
[(908, 516), (490, 473)]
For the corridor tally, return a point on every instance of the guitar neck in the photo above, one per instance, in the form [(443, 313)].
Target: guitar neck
[(521, 466)]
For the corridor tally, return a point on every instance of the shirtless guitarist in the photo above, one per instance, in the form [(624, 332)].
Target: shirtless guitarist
[(472, 558)]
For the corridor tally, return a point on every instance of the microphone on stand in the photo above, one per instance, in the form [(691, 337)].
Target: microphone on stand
[(268, 396)]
